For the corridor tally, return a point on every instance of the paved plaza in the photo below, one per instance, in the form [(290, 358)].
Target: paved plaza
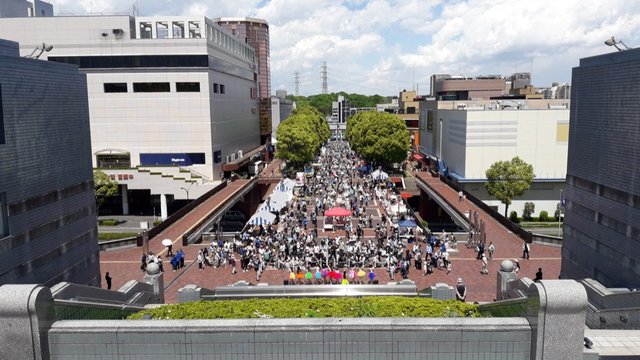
[(124, 264)]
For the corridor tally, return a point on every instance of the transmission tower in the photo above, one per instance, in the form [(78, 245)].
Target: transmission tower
[(297, 82), (325, 90)]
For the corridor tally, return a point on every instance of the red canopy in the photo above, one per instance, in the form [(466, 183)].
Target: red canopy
[(337, 211), (405, 195)]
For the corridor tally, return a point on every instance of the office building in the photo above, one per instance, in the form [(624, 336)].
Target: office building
[(447, 87), (25, 8), (408, 112), (602, 228), (167, 93), (47, 207), (462, 139)]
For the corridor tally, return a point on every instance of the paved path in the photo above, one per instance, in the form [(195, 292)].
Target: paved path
[(124, 264)]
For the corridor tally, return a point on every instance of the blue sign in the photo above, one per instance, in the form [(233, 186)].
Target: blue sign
[(183, 159)]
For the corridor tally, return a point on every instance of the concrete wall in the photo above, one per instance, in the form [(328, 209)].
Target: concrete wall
[(384, 338)]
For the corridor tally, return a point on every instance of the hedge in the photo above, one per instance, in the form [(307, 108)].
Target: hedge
[(347, 307)]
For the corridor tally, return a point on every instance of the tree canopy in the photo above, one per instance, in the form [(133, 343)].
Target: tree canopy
[(301, 135), (323, 102), (378, 137), (104, 187), (508, 179)]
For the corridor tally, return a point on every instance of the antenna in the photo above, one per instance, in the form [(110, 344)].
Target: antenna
[(325, 89), (296, 79)]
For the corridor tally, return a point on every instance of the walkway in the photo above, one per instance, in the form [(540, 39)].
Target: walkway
[(124, 264)]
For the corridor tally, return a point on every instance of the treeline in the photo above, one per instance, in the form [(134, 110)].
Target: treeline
[(322, 102)]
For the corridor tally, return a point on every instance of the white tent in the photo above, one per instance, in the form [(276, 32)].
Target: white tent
[(273, 206), (279, 196), (286, 185), (379, 175), (262, 218)]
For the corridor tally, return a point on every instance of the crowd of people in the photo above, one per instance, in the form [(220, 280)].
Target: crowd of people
[(299, 244)]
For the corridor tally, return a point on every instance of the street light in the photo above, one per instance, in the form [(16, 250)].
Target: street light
[(613, 42), (187, 190), (42, 48)]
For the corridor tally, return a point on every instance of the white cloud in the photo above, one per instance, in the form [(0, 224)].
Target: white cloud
[(381, 46)]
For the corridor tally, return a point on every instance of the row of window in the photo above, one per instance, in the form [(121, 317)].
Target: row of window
[(151, 87), (218, 88), (1, 119), (133, 61)]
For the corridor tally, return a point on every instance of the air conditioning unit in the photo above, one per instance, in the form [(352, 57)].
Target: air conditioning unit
[(239, 154)]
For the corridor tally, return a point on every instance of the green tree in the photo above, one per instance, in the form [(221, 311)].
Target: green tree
[(301, 135), (104, 188), (378, 137), (508, 179)]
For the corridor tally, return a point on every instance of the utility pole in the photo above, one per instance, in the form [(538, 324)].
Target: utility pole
[(297, 82), (325, 89)]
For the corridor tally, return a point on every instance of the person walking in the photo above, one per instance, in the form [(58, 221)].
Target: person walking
[(484, 265), (491, 249), (107, 278), (525, 251)]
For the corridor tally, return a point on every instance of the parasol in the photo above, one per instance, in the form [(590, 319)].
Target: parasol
[(167, 242), (405, 195)]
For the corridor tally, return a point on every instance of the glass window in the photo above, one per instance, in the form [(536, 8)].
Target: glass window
[(4, 223), (215, 88), (145, 30), (178, 29), (151, 87), (222, 90), (115, 87), (188, 87), (162, 30), (194, 29), (1, 119)]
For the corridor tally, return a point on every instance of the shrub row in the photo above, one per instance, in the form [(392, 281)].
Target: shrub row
[(372, 306)]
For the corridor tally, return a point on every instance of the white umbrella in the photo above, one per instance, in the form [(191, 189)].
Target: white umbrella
[(167, 242)]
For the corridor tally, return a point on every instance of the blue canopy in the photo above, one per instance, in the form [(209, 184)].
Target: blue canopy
[(407, 223), (364, 169)]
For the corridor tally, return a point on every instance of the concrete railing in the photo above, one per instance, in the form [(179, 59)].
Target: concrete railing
[(552, 329)]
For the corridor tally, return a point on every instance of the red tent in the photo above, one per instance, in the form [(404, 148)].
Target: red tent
[(337, 211), (405, 195)]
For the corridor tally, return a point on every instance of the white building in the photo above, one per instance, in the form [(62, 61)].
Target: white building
[(23, 8), (467, 137), (162, 91)]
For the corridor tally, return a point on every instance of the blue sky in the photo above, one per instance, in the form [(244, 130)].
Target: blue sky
[(384, 46)]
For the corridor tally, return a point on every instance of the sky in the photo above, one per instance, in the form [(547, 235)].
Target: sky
[(385, 46)]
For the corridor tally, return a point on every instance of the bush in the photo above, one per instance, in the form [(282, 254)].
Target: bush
[(115, 236), (157, 222), (513, 216), (108, 222), (529, 208), (544, 216), (370, 306)]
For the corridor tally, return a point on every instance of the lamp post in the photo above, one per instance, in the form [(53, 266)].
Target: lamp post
[(187, 190), (613, 42)]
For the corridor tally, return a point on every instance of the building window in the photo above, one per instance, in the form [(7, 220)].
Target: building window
[(115, 87), (216, 88), (4, 224), (222, 91), (188, 87), (411, 110), (151, 87), (254, 93), (1, 119)]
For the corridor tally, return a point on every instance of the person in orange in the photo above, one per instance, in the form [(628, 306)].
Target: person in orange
[(300, 277)]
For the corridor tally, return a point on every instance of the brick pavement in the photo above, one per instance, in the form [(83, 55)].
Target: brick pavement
[(123, 264)]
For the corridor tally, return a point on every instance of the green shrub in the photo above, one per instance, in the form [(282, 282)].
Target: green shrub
[(513, 216), (371, 306), (544, 215), (157, 222), (107, 222), (115, 236), (529, 208)]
